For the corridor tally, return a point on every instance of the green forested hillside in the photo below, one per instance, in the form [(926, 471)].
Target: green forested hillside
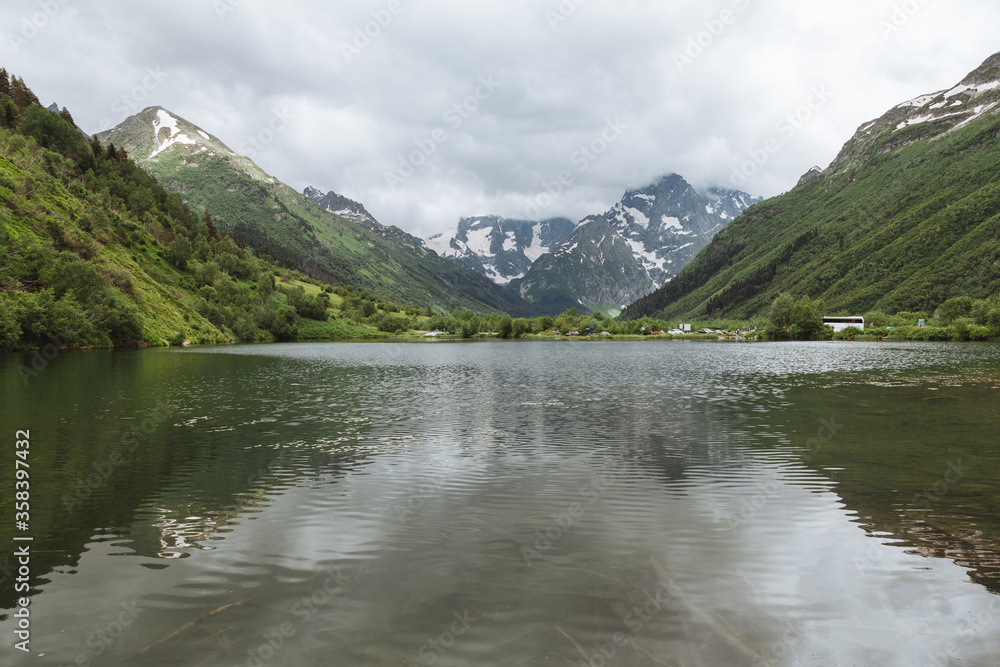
[(95, 253), (267, 215), (906, 218)]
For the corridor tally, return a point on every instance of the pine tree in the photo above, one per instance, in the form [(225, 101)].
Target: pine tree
[(185, 216), (207, 219), (65, 115), (23, 97), (4, 82), (8, 112)]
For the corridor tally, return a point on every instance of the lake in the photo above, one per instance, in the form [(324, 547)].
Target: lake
[(507, 503)]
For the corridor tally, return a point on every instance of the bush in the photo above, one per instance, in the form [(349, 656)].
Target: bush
[(929, 334), (850, 333), (961, 328), (123, 324), (315, 308), (956, 307), (876, 318), (519, 327), (505, 326), (10, 330), (906, 319), (978, 333), (807, 320), (282, 322), (469, 328), (781, 311), (392, 323), (987, 314)]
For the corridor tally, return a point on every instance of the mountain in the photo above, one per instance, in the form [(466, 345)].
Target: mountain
[(54, 108), (668, 222), (905, 217), (269, 216), (499, 248), (595, 268), (359, 215), (95, 253), (652, 233)]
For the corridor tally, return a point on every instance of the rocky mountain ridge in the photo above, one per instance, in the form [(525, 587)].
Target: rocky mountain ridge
[(500, 248)]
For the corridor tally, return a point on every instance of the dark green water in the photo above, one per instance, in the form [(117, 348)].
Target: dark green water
[(508, 503)]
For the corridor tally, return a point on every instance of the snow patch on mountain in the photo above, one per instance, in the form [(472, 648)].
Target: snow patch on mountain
[(638, 216), (648, 259), (672, 223), (536, 249), (164, 120), (499, 248), (510, 242), (359, 215), (480, 241), (917, 101), (445, 245)]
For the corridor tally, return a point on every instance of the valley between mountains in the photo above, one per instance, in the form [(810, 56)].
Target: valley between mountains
[(156, 231)]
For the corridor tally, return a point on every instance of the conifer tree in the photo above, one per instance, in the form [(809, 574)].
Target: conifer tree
[(4, 82), (207, 219), (8, 112), (23, 97), (185, 216)]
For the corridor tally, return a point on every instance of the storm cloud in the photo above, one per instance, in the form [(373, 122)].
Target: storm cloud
[(428, 111)]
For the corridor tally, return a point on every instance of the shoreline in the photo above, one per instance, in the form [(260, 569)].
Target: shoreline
[(49, 352)]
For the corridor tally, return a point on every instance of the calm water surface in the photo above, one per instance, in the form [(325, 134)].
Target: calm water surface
[(509, 504)]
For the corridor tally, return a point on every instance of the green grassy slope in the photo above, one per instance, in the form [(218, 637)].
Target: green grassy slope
[(910, 221), (95, 253), (274, 219), (78, 269)]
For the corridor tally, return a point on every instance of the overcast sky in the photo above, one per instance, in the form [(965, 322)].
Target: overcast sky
[(434, 110)]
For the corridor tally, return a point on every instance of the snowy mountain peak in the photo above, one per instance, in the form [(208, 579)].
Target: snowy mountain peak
[(641, 243), (167, 132), (926, 117), (499, 248), (668, 222), (156, 134)]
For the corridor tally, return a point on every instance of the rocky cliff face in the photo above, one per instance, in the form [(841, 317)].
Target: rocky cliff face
[(500, 248), (637, 246), (668, 222)]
